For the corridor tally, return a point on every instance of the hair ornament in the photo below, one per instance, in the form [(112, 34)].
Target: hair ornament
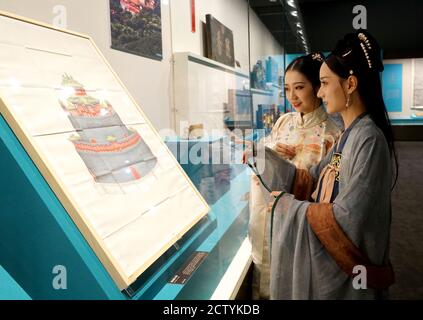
[(317, 56), (366, 54), (363, 38), (345, 54), (365, 45)]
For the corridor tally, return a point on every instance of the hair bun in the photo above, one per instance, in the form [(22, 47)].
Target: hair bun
[(360, 50)]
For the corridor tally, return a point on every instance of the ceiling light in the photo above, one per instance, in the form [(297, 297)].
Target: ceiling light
[(290, 3), (294, 13)]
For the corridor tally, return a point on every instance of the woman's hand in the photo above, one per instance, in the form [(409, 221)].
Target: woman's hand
[(275, 195), (248, 153), (287, 151), (245, 156), (256, 180)]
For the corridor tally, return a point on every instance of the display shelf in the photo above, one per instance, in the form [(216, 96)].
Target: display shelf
[(262, 92), (201, 91), (190, 56), (414, 121)]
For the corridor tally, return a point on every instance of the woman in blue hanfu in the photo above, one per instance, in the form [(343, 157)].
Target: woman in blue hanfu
[(333, 243)]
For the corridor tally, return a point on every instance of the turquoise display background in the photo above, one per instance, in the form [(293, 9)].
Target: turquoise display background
[(392, 87), (9, 289)]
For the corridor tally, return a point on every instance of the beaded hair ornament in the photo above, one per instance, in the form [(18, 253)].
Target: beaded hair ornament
[(317, 56), (365, 46)]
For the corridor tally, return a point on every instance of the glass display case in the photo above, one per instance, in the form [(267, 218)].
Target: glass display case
[(233, 105)]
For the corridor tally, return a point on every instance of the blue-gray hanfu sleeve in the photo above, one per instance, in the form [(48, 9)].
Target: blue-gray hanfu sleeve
[(276, 173)]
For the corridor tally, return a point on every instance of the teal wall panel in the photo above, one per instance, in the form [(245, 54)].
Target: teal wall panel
[(9, 289)]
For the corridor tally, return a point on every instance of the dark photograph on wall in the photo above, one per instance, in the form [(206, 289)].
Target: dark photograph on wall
[(136, 27), (219, 42)]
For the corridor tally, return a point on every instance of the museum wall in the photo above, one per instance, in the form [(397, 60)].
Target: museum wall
[(149, 81), (232, 14), (262, 42)]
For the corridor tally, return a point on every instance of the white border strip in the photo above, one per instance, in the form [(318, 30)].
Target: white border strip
[(232, 279)]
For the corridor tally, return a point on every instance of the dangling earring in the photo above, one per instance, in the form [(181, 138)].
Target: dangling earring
[(348, 104)]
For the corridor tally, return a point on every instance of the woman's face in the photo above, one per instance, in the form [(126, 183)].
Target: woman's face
[(299, 92), (331, 90)]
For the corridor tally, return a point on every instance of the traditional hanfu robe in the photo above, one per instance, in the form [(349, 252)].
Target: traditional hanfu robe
[(313, 134), (316, 246)]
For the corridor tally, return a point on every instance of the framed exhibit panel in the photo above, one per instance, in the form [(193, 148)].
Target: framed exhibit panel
[(215, 95), (397, 88), (94, 146)]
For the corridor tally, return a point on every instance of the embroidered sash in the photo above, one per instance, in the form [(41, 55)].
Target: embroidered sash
[(328, 184)]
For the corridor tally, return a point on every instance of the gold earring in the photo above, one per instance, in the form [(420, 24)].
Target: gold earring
[(348, 104)]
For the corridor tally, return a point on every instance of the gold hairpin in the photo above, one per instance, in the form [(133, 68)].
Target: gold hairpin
[(345, 54), (363, 38), (317, 56)]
